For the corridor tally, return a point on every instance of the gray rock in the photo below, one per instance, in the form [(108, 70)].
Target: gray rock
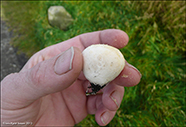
[(59, 17)]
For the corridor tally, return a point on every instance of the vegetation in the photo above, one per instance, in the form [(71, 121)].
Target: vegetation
[(156, 47)]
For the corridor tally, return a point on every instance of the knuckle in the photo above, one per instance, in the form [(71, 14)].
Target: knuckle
[(37, 75)]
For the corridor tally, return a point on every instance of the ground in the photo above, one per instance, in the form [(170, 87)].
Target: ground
[(10, 61)]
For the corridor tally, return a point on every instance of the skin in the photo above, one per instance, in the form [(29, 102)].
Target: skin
[(39, 95)]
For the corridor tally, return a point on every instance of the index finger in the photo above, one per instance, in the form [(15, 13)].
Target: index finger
[(114, 37)]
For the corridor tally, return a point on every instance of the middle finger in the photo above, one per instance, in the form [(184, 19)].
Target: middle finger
[(112, 96)]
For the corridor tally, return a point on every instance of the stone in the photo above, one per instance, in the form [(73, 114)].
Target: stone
[(59, 17)]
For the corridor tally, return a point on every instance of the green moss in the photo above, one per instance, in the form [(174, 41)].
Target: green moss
[(156, 47)]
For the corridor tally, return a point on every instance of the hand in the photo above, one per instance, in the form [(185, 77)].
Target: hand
[(50, 88)]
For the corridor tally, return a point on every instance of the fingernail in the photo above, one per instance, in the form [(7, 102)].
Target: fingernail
[(130, 66), (64, 62), (115, 95), (105, 117)]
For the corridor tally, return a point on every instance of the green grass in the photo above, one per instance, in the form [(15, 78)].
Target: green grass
[(157, 48)]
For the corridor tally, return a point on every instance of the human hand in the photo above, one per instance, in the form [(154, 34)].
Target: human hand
[(50, 88)]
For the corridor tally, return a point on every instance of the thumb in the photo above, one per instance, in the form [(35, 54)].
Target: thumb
[(50, 76)]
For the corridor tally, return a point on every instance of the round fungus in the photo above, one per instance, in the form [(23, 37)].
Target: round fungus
[(102, 64)]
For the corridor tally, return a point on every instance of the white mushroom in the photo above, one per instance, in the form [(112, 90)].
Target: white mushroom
[(102, 64)]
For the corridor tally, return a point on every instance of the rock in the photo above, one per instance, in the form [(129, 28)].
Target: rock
[(59, 17)]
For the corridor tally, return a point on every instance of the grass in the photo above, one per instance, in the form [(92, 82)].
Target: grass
[(157, 48)]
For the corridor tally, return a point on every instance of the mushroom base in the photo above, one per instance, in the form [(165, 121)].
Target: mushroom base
[(95, 88)]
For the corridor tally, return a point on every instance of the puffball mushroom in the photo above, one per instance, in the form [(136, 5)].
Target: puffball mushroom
[(102, 64)]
